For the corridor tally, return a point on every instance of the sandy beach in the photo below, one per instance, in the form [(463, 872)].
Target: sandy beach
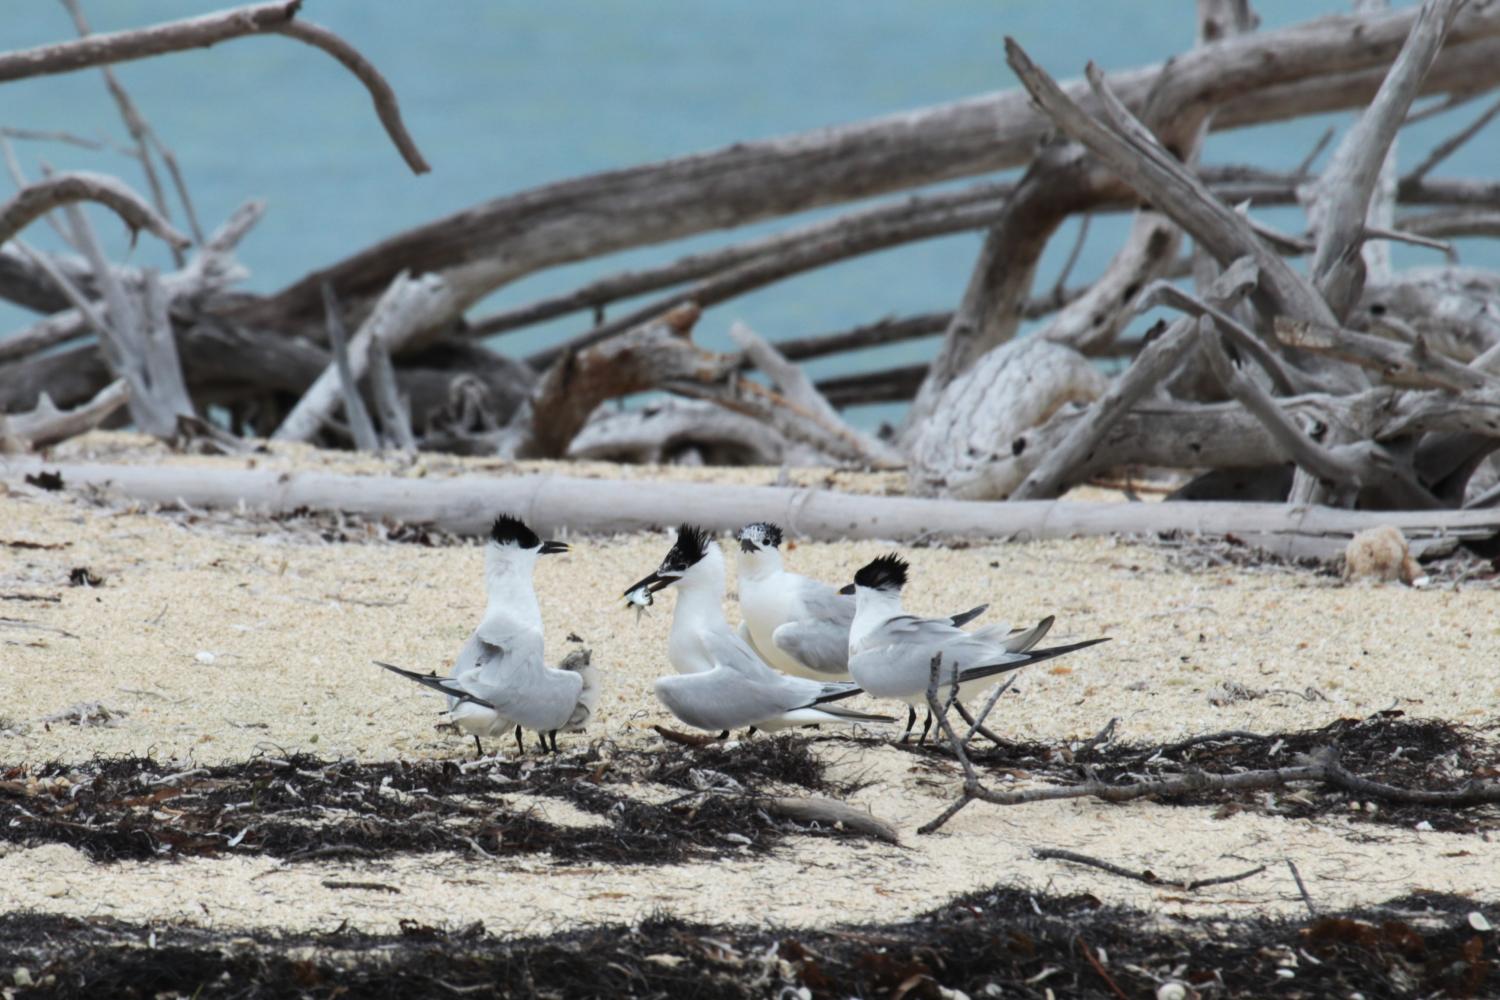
[(214, 636)]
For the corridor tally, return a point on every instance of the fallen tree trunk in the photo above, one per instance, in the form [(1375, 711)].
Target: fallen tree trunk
[(467, 505)]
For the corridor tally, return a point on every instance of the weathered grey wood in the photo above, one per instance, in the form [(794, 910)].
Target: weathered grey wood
[(662, 431), (135, 124), (209, 270), (48, 425), (651, 356), (1155, 362), (1348, 183), (41, 197), (1130, 150), (490, 244), (409, 307), (982, 420), (394, 408), (913, 217), (467, 505), (361, 427), (210, 29), (1451, 145), (842, 440), (1411, 366), (1062, 180), (1152, 367), (1340, 470), (888, 385), (159, 349)]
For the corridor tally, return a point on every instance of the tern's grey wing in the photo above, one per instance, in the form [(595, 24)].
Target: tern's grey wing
[(822, 602), (505, 644), (723, 698), (821, 646), (729, 650), (538, 697)]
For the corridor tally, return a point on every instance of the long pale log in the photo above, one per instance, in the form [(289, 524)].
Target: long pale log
[(466, 505), (201, 32), (495, 242)]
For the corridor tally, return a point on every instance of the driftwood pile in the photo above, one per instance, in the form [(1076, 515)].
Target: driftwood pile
[(1343, 383)]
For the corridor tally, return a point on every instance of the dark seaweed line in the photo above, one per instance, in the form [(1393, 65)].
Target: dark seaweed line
[(1002, 940)]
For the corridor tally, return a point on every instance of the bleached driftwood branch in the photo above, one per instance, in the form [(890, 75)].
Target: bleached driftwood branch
[(41, 197), (1349, 182), (799, 390), (47, 424), (201, 32), (409, 307)]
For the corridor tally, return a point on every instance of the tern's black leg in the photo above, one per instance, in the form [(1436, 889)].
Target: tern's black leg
[(478, 748), (749, 732), (911, 720), (553, 735), (541, 740), (724, 735), (926, 725), (520, 744)]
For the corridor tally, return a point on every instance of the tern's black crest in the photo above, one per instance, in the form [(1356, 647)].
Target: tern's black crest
[(509, 530), (691, 545), (763, 532), (886, 572)]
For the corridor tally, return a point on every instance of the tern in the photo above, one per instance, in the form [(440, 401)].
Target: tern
[(500, 679), (798, 625), (721, 684), (891, 652)]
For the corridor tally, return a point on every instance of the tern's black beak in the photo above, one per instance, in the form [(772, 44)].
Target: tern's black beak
[(847, 590), (748, 546), (650, 584), (554, 548)]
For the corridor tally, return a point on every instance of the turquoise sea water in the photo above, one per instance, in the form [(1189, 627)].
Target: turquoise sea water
[(503, 96)]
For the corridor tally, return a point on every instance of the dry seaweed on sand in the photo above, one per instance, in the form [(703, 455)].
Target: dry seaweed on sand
[(301, 807), (1388, 747), (997, 942)]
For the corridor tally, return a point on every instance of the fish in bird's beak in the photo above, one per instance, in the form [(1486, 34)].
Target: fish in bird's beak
[(554, 548), (849, 590), (650, 585)]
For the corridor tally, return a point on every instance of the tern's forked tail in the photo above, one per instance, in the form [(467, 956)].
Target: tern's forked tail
[(446, 685)]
